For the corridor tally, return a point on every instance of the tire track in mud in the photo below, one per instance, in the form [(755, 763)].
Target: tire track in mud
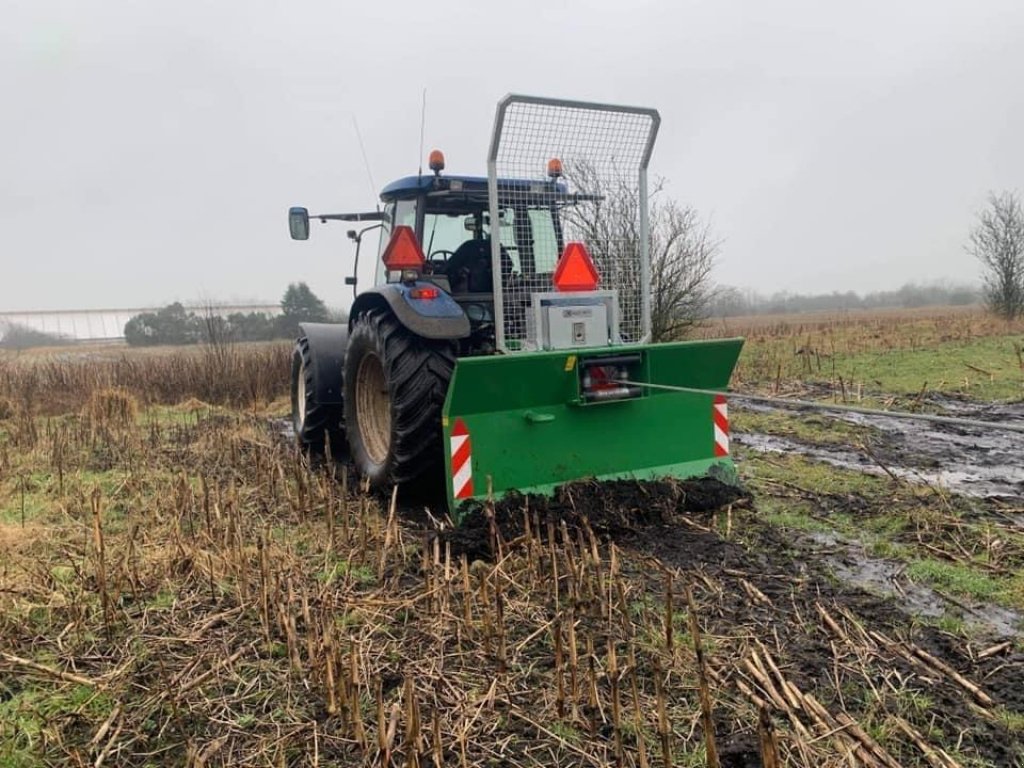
[(965, 460)]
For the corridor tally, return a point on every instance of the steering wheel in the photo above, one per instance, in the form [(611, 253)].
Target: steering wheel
[(440, 252)]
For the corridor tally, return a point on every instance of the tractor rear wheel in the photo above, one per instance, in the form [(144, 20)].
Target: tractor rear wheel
[(311, 421), (395, 386)]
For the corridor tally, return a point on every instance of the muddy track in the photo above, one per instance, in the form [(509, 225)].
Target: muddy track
[(968, 460)]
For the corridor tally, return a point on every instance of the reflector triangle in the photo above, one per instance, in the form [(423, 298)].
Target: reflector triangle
[(402, 251), (575, 270)]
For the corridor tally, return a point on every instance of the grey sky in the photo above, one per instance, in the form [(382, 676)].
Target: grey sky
[(149, 150)]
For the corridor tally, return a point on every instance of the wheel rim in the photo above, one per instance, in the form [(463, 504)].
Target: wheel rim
[(300, 399), (373, 408)]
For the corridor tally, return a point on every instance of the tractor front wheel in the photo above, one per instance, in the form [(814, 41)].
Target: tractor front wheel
[(395, 386), (312, 421)]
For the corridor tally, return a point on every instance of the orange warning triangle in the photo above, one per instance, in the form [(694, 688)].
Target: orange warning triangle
[(575, 270), (402, 251)]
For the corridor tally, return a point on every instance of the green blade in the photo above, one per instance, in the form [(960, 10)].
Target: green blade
[(518, 422)]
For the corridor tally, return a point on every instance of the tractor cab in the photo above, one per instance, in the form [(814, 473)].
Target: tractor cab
[(451, 217)]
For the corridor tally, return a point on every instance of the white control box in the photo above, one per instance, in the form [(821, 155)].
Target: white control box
[(577, 326), (573, 320)]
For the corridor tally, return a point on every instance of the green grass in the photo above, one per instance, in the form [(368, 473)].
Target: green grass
[(943, 367), (953, 625), (360, 574), (812, 476), (1014, 721), (821, 429), (13, 511), (956, 578), (565, 732), (176, 415), (786, 516), (26, 715)]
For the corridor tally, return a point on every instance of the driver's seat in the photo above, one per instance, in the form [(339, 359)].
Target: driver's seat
[(469, 267)]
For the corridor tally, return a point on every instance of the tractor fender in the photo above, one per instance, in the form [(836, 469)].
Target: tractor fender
[(437, 317), (327, 344)]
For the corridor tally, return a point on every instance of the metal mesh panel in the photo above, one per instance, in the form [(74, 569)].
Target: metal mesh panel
[(600, 198)]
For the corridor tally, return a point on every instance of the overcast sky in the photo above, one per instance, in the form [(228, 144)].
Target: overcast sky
[(149, 149)]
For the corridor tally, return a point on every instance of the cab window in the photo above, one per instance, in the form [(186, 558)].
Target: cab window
[(443, 234)]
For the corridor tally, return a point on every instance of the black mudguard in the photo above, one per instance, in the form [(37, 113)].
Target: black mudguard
[(327, 344), (438, 317)]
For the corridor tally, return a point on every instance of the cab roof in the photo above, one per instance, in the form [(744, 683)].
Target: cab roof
[(411, 187)]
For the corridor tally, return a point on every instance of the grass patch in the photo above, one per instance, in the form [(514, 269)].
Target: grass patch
[(784, 516), (986, 369), (958, 579), (342, 569), (27, 716), (801, 474), (809, 428)]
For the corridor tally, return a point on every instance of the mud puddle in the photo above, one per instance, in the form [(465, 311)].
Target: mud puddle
[(969, 460), (852, 565)]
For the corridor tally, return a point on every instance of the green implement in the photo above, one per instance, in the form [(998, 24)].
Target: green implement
[(532, 421)]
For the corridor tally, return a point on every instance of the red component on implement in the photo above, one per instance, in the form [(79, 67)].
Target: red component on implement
[(462, 462), (403, 252), (720, 418), (575, 270)]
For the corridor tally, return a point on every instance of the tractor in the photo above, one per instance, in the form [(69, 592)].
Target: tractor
[(505, 344)]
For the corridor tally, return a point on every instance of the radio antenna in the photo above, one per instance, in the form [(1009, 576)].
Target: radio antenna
[(366, 160), (423, 126)]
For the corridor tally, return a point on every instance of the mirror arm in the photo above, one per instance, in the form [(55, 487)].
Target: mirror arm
[(368, 216)]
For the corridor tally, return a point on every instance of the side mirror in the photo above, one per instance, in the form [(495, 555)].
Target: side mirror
[(298, 223)]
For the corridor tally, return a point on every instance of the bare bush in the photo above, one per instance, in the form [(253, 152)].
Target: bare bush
[(683, 251), (997, 241), (682, 248)]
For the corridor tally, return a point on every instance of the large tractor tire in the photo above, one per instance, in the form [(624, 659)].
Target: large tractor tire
[(394, 389), (312, 422)]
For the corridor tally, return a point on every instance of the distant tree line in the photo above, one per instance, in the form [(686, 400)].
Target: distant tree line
[(174, 324), (17, 336), (730, 302)]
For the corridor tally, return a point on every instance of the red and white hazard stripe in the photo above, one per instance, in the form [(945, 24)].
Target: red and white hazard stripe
[(720, 416), (462, 462)]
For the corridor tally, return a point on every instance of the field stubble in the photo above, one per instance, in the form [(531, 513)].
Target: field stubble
[(960, 350), (178, 586)]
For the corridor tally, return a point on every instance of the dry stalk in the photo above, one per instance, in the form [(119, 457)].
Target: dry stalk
[(57, 674), (767, 739), (101, 558), (707, 713)]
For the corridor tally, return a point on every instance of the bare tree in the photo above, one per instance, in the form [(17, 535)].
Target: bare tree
[(997, 241), (682, 248), (683, 251)]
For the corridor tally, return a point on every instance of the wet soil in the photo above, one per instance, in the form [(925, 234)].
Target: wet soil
[(678, 524), (611, 509), (966, 459), (851, 564)]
